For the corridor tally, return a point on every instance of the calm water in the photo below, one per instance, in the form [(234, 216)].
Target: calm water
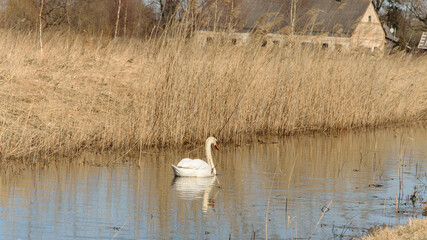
[(291, 180)]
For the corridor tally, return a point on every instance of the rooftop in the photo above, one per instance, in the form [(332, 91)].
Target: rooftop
[(314, 16)]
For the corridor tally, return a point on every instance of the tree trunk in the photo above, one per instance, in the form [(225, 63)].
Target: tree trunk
[(41, 27), (293, 15), (125, 20), (118, 19)]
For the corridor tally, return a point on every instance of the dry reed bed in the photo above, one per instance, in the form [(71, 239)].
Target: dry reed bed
[(92, 93), (414, 229)]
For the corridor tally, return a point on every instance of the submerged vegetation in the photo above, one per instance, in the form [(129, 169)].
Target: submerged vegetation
[(100, 94)]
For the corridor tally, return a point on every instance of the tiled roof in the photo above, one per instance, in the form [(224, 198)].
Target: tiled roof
[(318, 16)]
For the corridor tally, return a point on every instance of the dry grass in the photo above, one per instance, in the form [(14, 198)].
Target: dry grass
[(414, 229), (93, 93)]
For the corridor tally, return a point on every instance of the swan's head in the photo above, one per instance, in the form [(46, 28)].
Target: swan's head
[(212, 141)]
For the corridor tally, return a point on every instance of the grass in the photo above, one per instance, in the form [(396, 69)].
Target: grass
[(87, 93), (414, 229)]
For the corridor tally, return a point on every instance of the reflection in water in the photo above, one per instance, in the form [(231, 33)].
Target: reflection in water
[(295, 178), (194, 188)]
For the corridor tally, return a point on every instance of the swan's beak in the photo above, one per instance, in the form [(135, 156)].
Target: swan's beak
[(216, 146)]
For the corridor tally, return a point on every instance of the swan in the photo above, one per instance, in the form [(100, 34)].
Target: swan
[(196, 167)]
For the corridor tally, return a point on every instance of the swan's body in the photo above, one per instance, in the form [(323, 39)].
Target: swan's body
[(193, 168), (196, 167)]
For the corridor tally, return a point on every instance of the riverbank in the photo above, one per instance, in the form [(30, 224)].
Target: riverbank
[(414, 229), (85, 93)]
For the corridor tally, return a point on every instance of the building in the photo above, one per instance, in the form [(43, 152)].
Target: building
[(333, 24), (423, 41)]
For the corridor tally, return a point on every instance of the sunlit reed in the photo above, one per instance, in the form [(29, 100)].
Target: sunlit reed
[(93, 93)]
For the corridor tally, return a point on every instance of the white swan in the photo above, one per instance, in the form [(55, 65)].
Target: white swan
[(196, 167)]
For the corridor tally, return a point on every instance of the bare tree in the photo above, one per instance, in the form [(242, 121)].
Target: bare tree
[(418, 9), (165, 8), (125, 19), (129, 17), (223, 14), (27, 12), (293, 14), (378, 4), (41, 27), (118, 18)]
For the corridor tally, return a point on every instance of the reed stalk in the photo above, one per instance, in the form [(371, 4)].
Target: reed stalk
[(398, 185), (120, 229), (320, 219)]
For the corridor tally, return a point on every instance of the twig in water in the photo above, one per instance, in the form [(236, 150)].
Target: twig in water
[(399, 177), (269, 195), (268, 208), (253, 235), (324, 210), (218, 182), (115, 235)]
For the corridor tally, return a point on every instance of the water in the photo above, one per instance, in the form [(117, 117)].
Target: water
[(289, 180)]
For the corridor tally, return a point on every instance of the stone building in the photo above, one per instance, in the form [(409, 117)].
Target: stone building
[(335, 24)]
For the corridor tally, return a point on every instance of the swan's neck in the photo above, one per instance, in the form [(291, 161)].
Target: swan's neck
[(209, 156)]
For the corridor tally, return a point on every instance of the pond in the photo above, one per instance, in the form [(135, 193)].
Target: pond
[(327, 186)]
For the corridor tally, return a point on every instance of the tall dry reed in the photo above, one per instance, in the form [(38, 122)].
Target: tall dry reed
[(94, 93), (413, 229)]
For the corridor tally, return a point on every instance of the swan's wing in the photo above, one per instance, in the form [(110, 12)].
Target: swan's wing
[(193, 164)]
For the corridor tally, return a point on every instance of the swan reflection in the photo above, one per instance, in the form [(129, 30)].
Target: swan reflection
[(196, 188)]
